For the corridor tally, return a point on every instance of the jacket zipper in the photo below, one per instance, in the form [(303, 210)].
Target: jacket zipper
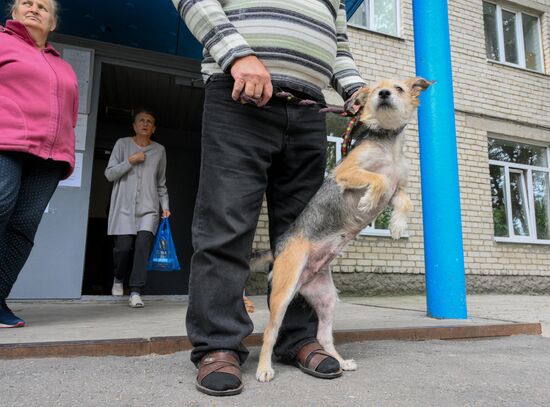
[(58, 106)]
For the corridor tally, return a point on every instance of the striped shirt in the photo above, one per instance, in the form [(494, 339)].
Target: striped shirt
[(302, 43)]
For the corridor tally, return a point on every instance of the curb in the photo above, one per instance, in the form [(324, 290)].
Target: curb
[(170, 344)]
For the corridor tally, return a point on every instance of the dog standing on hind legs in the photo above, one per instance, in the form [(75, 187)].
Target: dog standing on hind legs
[(371, 177)]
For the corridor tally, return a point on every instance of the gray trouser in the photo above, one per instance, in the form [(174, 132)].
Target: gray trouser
[(279, 151), (133, 251)]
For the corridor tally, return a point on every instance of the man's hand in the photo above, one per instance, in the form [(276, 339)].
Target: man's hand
[(137, 158), (252, 77), (166, 213)]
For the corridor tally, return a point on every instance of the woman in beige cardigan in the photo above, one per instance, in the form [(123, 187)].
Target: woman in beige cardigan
[(137, 167)]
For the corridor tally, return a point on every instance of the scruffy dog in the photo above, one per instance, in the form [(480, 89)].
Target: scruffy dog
[(370, 178)]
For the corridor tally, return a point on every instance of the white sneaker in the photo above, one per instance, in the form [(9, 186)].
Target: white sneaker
[(118, 289), (135, 301)]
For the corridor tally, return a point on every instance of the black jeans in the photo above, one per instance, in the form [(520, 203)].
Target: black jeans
[(279, 151), (26, 185), (134, 251)]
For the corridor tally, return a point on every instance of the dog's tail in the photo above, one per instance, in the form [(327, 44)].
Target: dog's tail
[(261, 260)]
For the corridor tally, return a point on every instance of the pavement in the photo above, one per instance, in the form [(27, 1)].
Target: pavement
[(512, 371), (504, 368), (104, 319)]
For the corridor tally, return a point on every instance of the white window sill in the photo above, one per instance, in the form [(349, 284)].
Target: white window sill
[(362, 28), (521, 240), (508, 65), (379, 233)]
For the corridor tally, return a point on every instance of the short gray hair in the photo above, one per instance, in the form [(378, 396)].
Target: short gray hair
[(53, 3)]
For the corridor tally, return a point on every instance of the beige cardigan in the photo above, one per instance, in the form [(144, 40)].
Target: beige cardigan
[(138, 189)]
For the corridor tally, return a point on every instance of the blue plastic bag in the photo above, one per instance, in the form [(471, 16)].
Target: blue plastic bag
[(163, 257)]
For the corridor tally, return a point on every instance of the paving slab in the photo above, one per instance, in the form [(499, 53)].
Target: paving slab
[(515, 308)]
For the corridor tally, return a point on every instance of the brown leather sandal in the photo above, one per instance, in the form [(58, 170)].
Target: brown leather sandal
[(222, 362), (310, 356)]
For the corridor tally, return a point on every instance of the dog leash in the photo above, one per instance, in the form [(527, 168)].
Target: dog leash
[(323, 108), (347, 135), (342, 111)]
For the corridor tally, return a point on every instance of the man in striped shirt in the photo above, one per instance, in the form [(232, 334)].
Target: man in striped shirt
[(271, 147)]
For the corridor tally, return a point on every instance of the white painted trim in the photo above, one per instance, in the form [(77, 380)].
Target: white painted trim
[(514, 139), (521, 240), (398, 17), (524, 199), (528, 194), (338, 141), (541, 47), (369, 16), (531, 201), (520, 166), (500, 35), (520, 40), (369, 9), (520, 43), (509, 65), (508, 200), (369, 231)]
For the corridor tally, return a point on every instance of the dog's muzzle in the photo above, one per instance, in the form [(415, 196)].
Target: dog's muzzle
[(384, 104)]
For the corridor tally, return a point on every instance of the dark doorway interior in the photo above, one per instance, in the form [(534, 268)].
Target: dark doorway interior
[(177, 102)]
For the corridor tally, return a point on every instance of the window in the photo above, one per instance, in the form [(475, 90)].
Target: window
[(336, 125), (520, 191), (512, 37), (378, 15)]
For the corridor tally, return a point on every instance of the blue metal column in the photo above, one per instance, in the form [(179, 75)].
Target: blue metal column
[(443, 250)]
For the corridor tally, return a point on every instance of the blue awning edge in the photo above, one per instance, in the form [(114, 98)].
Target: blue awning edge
[(352, 6)]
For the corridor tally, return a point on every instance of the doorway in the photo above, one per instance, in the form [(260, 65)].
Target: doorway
[(177, 102)]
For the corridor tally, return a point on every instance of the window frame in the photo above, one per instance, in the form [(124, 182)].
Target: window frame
[(520, 40), (369, 230), (528, 184), (370, 19)]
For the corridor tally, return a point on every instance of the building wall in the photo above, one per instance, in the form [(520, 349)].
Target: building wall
[(490, 98), (494, 99)]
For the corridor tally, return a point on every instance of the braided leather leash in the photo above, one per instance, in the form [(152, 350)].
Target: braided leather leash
[(345, 111)]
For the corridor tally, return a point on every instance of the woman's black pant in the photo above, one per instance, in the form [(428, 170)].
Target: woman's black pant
[(132, 252), (26, 185)]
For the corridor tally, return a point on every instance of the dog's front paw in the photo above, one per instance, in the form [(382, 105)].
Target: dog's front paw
[(366, 203), (371, 198), (398, 227), (348, 364), (265, 375)]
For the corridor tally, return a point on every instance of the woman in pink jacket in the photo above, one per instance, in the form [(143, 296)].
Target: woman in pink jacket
[(38, 110)]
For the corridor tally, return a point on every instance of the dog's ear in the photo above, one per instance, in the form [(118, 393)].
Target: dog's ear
[(357, 100), (418, 84)]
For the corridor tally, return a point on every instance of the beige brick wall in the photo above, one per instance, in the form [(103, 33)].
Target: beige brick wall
[(490, 98)]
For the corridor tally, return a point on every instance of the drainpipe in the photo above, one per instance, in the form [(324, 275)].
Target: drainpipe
[(443, 248)]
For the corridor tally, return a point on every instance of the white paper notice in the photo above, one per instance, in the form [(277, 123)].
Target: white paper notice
[(81, 61), (75, 180), (80, 132)]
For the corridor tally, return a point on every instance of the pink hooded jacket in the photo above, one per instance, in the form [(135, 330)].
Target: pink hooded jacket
[(38, 98)]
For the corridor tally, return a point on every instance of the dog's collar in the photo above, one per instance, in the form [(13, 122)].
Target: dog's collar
[(365, 131), (361, 131)]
